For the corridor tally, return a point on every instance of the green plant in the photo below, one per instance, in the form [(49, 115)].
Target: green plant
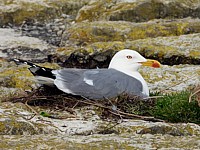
[(176, 108)]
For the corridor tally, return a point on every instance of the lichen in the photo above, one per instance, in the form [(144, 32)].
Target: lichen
[(20, 77), (122, 31), (168, 50), (137, 11), (16, 12), (194, 53), (16, 78)]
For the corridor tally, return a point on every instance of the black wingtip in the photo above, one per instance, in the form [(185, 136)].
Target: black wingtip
[(35, 69), (19, 62)]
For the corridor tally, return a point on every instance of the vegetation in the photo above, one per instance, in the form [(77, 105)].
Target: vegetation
[(171, 107), (177, 108)]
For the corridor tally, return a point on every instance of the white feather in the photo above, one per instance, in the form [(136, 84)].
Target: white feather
[(88, 81)]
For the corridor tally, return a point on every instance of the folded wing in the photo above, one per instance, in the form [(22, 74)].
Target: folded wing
[(96, 83)]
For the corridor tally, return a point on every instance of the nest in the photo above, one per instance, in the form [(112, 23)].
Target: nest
[(120, 107)]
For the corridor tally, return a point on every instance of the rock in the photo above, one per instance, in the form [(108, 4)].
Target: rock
[(85, 59), (51, 31), (161, 128), (173, 50), (172, 78), (164, 130), (112, 141), (16, 77), (90, 33), (43, 132), (17, 11), (14, 45), (107, 31), (137, 10), (13, 121)]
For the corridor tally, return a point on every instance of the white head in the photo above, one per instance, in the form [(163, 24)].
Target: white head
[(127, 60)]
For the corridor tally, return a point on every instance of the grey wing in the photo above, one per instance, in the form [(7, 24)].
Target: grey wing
[(75, 81), (111, 83), (68, 80), (96, 83)]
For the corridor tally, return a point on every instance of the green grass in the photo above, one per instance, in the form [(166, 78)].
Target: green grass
[(176, 108), (171, 107)]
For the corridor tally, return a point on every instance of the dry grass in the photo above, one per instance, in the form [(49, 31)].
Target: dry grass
[(196, 94)]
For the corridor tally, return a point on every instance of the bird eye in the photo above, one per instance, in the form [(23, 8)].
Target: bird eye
[(129, 57)]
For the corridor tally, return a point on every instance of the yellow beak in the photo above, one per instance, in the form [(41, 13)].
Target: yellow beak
[(151, 63)]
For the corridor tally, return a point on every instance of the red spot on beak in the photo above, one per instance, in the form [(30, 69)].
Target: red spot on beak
[(156, 64)]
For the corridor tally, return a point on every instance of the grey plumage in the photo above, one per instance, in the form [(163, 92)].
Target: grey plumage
[(97, 83)]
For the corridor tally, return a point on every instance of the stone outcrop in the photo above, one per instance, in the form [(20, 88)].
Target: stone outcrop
[(18, 11), (86, 34), (83, 131), (14, 45), (105, 31), (138, 10)]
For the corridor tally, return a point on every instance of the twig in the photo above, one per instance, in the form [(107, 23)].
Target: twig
[(120, 113), (75, 104), (92, 103), (116, 108), (152, 97), (32, 116), (33, 110), (137, 116), (192, 94)]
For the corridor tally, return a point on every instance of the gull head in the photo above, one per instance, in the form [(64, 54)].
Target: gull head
[(131, 60)]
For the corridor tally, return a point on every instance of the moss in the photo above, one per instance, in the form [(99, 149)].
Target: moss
[(102, 46), (163, 129), (66, 51), (176, 108), (49, 65), (124, 31), (16, 78), (14, 127), (195, 54), (20, 77), (137, 11), (173, 107), (20, 11), (95, 9)]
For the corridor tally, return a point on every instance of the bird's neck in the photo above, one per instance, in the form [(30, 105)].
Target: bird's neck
[(138, 76)]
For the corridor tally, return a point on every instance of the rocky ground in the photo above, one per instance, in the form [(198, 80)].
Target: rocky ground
[(86, 34)]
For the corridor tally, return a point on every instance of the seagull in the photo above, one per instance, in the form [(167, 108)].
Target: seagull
[(121, 76)]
